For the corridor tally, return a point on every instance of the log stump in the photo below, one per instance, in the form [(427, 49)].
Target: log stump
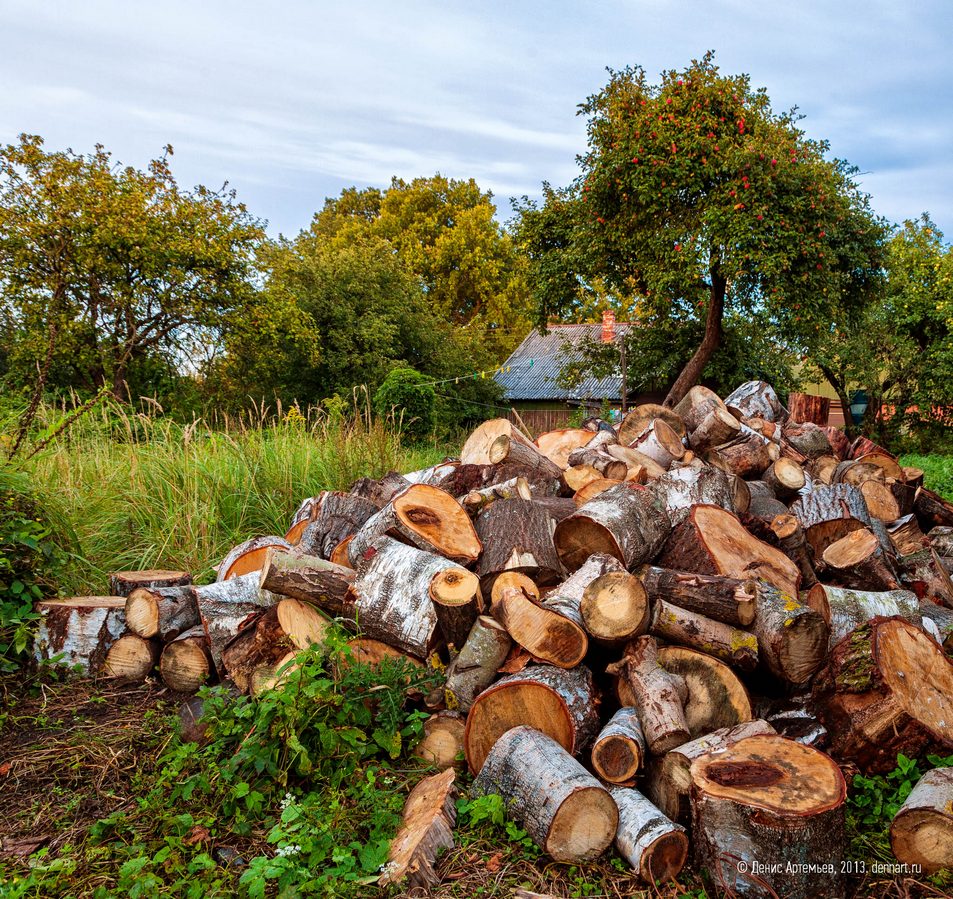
[(517, 535), (185, 663), (79, 630), (922, 831), (122, 583), (652, 844), (619, 750)]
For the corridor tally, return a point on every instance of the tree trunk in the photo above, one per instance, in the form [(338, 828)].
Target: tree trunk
[(328, 586), (722, 641), (924, 574), (425, 517), (599, 460), (809, 407), (334, 517), (932, 510), (887, 688), (690, 485), (660, 443), (785, 478), (163, 612), (792, 637), (626, 522), (658, 695), (652, 844), (122, 583), (792, 542), (692, 372), (565, 810), (858, 561), (717, 428), (669, 779), (763, 805), (131, 659), (829, 513), (476, 665), (845, 610), (619, 750), (249, 556), (426, 830), (517, 535), (559, 703), (713, 541), (380, 491), (756, 399), (921, 833), (80, 630), (185, 664), (726, 599), (442, 744), (545, 632)]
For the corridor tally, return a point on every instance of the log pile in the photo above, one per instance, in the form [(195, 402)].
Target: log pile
[(665, 635)]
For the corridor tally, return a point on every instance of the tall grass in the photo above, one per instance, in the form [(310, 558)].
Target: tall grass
[(131, 491)]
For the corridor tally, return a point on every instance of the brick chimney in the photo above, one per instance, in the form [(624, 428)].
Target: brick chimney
[(608, 326)]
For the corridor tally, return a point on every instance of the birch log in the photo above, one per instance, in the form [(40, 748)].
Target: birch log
[(722, 641), (652, 844), (249, 556), (163, 612), (756, 399), (619, 750), (475, 667), (79, 630), (922, 831), (185, 663), (122, 583), (689, 485), (844, 610), (563, 808)]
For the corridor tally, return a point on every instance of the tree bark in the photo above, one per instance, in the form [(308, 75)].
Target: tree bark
[(557, 702), (792, 637), (619, 750), (517, 535), (809, 407), (690, 485), (829, 513), (942, 618), (565, 810), (747, 457), (598, 459), (311, 579), (756, 399), (652, 844), (922, 831), (249, 556), (887, 688), (660, 443), (932, 510), (845, 610), (716, 428), (380, 491), (476, 665), (477, 500), (726, 599), (80, 630), (334, 517), (122, 583), (508, 450), (163, 612), (766, 803), (722, 641)]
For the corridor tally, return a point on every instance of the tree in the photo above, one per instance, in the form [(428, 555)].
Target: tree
[(445, 233), (408, 395), (105, 268), (699, 200)]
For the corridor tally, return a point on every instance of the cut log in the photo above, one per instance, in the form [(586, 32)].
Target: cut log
[(921, 833), (544, 631), (301, 519), (557, 445), (747, 457), (932, 510), (598, 459), (785, 478), (718, 427), (722, 641), (943, 619), (476, 450), (696, 406), (122, 583), (311, 579), (517, 535), (690, 485), (660, 443), (904, 496), (792, 637), (380, 491), (829, 513), (713, 541), (614, 608), (924, 574), (723, 598), (442, 742), (475, 667), (756, 399), (477, 500), (79, 631), (887, 688), (580, 476), (433, 475), (507, 449), (768, 818), (881, 502), (858, 561), (913, 476), (840, 444), (763, 509), (557, 702), (619, 750), (425, 517), (425, 831), (394, 589), (563, 808), (845, 610), (792, 542), (652, 844), (185, 664), (290, 625), (163, 612), (809, 407), (249, 556), (670, 779), (658, 695), (639, 418), (649, 468), (740, 495), (131, 659), (335, 517), (822, 468), (906, 536), (808, 439), (226, 606), (592, 490), (457, 602), (856, 472), (626, 522), (941, 539), (512, 579)]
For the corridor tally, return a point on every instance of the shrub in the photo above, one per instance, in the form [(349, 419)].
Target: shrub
[(407, 395)]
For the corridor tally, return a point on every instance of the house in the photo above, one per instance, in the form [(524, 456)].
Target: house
[(530, 377)]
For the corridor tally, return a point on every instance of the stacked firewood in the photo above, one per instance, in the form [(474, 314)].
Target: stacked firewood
[(691, 623)]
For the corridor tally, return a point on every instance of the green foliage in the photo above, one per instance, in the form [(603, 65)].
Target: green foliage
[(408, 396), (484, 817), (29, 559), (937, 472), (306, 781), (114, 274), (694, 198)]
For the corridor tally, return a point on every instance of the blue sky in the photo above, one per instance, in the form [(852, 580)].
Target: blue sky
[(292, 101)]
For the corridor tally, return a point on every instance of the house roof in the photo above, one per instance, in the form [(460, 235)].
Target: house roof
[(535, 365)]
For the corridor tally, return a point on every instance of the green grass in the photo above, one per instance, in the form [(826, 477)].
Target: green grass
[(937, 471), (136, 491)]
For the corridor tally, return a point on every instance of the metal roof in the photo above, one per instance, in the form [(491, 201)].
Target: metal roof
[(535, 366)]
